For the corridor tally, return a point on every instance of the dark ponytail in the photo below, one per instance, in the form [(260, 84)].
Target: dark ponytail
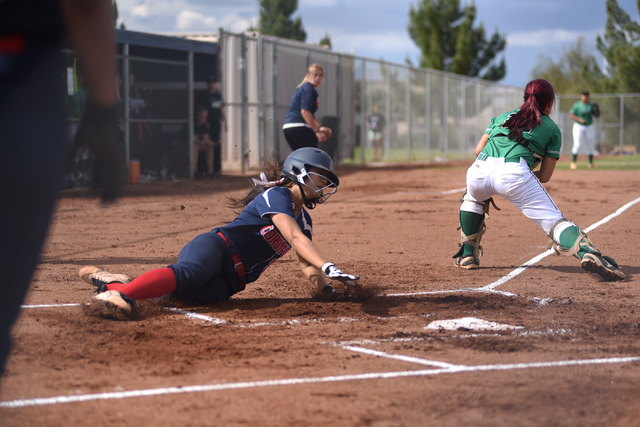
[(538, 95), (272, 172)]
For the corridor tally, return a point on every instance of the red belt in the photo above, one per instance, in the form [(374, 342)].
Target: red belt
[(13, 44), (239, 266)]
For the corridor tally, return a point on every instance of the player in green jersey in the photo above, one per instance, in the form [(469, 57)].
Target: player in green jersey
[(513, 145), (582, 115)]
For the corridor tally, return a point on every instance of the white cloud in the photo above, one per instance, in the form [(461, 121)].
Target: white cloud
[(548, 37), (373, 45), (315, 3), (237, 24), (141, 11), (188, 20)]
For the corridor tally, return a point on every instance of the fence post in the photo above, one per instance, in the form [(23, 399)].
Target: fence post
[(408, 112), (260, 79), (336, 147), (478, 109), (463, 116), (445, 117), (125, 104), (274, 110), (363, 117), (621, 123), (387, 139), (190, 110), (243, 115), (427, 123)]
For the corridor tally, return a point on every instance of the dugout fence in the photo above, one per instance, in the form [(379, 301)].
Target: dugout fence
[(159, 78), (431, 115)]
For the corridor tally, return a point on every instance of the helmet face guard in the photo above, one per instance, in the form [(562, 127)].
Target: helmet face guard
[(297, 167), (306, 178)]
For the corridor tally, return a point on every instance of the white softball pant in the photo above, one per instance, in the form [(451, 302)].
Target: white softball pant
[(516, 183), (586, 134)]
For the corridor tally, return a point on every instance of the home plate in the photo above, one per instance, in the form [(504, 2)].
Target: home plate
[(471, 324)]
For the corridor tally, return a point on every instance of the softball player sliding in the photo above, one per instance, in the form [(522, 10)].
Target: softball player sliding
[(511, 147), (219, 263)]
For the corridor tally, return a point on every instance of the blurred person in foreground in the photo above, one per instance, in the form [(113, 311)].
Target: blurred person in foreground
[(32, 163)]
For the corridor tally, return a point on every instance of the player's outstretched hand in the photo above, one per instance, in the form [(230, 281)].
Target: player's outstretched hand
[(333, 272), (98, 132)]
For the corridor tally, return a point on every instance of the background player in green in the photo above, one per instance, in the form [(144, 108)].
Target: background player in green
[(582, 113), (511, 147)]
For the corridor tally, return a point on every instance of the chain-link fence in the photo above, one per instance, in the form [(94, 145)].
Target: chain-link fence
[(429, 115)]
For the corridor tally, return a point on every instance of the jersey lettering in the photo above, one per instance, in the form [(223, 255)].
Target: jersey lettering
[(277, 243)]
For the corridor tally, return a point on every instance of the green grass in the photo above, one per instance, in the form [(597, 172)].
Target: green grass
[(618, 163)]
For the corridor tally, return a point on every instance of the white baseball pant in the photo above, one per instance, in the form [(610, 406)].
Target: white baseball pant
[(516, 183), (583, 133)]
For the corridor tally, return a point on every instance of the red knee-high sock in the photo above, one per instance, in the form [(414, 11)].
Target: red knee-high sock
[(152, 284)]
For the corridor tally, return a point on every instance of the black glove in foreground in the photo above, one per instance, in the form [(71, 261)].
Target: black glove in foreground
[(98, 133)]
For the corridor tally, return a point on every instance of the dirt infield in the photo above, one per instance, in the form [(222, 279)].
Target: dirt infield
[(277, 355)]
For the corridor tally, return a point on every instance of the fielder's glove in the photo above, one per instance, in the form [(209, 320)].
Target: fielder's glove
[(333, 272), (98, 133)]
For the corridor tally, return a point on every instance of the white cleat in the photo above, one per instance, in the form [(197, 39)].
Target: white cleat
[(114, 301), (98, 277)]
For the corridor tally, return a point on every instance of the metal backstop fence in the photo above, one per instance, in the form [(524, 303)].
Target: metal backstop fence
[(429, 114)]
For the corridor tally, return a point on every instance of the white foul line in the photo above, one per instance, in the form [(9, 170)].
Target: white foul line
[(192, 315), (400, 357), (21, 403), (50, 305)]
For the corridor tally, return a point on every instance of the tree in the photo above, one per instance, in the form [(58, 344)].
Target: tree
[(114, 12), (448, 41), (325, 41), (115, 15), (621, 49), (574, 71), (275, 19)]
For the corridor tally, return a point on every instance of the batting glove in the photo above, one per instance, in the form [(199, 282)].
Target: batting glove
[(333, 272)]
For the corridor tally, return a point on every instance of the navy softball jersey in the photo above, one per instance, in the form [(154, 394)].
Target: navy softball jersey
[(304, 98), (205, 269)]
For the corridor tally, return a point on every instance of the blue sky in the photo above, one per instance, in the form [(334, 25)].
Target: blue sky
[(378, 28)]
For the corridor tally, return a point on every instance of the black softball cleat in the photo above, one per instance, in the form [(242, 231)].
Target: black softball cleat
[(605, 266)]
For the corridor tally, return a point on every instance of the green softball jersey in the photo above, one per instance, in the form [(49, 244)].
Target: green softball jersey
[(583, 111), (545, 139)]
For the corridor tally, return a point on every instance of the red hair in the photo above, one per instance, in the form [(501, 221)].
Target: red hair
[(538, 95)]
